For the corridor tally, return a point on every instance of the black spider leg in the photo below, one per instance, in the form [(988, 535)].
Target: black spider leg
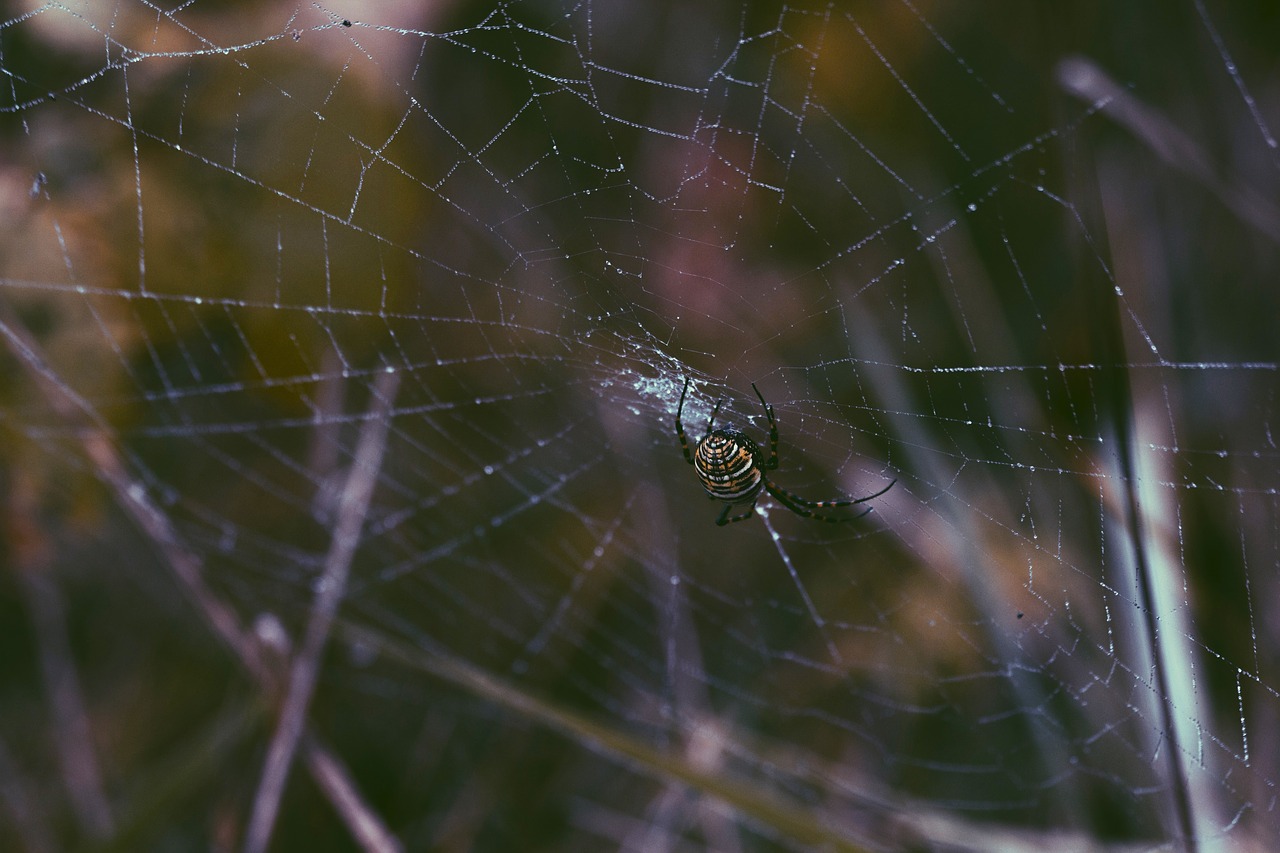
[(773, 432), (805, 508), (711, 420), (796, 499), (792, 503), (795, 503), (684, 442), (723, 520)]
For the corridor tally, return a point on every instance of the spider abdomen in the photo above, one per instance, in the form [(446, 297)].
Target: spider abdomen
[(729, 466), (726, 464)]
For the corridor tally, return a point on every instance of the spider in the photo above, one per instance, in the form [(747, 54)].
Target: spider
[(728, 464)]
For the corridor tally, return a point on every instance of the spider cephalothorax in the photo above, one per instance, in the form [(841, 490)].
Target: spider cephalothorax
[(728, 463)]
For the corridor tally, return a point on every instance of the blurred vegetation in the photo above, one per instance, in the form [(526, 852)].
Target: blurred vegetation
[(940, 259)]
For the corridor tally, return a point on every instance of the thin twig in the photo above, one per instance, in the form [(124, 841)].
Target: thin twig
[(95, 435), (1169, 142), (30, 551), (69, 717), (352, 509), (333, 778), (27, 817)]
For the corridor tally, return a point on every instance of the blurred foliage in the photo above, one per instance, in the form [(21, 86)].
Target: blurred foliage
[(534, 210)]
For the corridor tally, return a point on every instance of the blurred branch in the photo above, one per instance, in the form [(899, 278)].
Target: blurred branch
[(184, 772), (95, 436), (332, 776), (803, 824), (28, 822), (352, 510), (857, 810), (1166, 140), (30, 552), (70, 719)]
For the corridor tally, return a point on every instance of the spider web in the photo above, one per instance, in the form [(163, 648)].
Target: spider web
[(342, 497)]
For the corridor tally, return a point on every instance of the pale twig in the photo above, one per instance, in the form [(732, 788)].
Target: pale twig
[(331, 775), (69, 717), (352, 509), (30, 551), (27, 818), (1087, 80), (95, 435)]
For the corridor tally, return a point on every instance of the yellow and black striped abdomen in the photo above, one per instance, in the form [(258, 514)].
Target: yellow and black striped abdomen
[(726, 463)]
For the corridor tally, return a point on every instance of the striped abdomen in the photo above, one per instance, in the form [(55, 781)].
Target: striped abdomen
[(726, 463)]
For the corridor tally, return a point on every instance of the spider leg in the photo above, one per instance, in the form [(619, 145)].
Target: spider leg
[(711, 420), (724, 513), (796, 499), (684, 442), (785, 498), (773, 431)]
